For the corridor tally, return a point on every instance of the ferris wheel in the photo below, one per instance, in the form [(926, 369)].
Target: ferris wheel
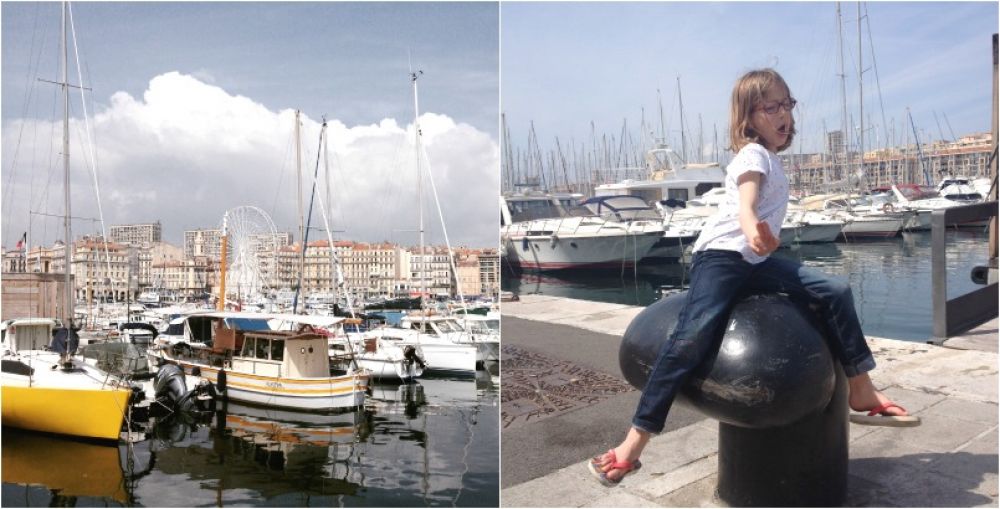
[(251, 252)]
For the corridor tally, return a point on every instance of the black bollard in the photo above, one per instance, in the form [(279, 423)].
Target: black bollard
[(779, 396)]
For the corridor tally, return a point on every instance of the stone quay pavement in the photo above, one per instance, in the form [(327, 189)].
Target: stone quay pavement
[(564, 399)]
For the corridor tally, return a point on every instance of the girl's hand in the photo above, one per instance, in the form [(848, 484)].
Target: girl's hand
[(764, 242)]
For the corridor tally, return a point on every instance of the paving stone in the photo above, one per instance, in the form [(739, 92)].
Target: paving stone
[(882, 457), (697, 494), (940, 433), (914, 401), (936, 491), (985, 413), (663, 484), (572, 486), (622, 498), (862, 492)]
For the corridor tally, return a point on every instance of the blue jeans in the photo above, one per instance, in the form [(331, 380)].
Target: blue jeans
[(718, 278)]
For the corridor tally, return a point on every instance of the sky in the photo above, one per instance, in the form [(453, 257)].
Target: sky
[(565, 65), (191, 113)]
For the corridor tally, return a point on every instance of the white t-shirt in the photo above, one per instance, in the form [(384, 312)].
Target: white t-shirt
[(722, 231)]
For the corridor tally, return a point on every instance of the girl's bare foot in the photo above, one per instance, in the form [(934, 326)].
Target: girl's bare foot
[(626, 452), (864, 397)]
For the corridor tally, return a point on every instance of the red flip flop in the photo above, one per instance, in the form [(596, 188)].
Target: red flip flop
[(877, 417), (628, 466)]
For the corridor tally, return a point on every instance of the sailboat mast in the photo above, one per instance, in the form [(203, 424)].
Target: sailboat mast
[(420, 192), (843, 90), (861, 106), (67, 225), (680, 101), (298, 187)]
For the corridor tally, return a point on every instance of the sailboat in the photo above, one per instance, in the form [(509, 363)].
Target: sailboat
[(43, 386), (447, 353)]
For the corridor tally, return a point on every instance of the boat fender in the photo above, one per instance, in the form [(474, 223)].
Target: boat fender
[(411, 356)]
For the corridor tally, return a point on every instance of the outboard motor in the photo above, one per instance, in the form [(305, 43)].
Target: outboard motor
[(169, 384), (171, 392)]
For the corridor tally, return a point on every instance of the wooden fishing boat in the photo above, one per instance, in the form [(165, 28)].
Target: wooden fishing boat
[(281, 369)]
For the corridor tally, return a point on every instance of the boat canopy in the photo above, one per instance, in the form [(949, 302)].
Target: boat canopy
[(622, 208)]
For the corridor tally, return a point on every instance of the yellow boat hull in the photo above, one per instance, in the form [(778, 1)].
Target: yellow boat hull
[(77, 412)]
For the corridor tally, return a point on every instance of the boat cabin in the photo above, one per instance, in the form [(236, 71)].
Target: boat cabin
[(21, 334), (516, 208), (282, 354)]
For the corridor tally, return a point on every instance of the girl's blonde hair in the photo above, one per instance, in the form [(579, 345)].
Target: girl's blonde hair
[(747, 95)]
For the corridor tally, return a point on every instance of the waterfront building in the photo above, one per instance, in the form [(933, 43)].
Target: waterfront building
[(968, 156), (187, 277), (430, 270), (101, 270), (367, 270), (489, 272), (136, 234), (150, 257), (204, 242), (467, 277)]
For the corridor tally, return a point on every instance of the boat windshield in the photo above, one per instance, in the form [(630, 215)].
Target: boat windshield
[(624, 208), (483, 326), (449, 326), (663, 159), (530, 210)]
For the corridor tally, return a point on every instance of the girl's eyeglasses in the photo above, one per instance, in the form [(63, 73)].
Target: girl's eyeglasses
[(774, 107)]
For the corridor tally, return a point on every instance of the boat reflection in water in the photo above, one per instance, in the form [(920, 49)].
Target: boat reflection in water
[(43, 470), (262, 453), (433, 442)]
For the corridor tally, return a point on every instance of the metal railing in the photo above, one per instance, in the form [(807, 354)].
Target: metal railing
[(959, 314)]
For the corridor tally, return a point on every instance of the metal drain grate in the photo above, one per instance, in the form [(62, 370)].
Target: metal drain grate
[(537, 387)]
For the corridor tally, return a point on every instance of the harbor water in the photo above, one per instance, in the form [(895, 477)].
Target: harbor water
[(430, 443), (891, 278)]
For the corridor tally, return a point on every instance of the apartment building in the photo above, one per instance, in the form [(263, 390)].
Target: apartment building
[(136, 234)]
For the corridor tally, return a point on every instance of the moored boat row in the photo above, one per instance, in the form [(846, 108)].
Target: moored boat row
[(550, 231)]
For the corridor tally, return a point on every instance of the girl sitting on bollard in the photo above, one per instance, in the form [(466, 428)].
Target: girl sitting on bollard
[(730, 258)]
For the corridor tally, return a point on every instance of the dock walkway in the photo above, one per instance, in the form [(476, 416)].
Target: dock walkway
[(564, 399)]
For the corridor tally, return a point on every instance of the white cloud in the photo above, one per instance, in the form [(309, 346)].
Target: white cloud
[(187, 151)]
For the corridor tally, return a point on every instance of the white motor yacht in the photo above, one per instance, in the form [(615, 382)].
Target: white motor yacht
[(923, 204), (633, 211), (542, 231), (448, 329)]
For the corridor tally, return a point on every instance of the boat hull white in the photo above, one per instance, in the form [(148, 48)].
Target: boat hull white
[(810, 233), (384, 369), (863, 227), (309, 394), (558, 252), (449, 358)]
